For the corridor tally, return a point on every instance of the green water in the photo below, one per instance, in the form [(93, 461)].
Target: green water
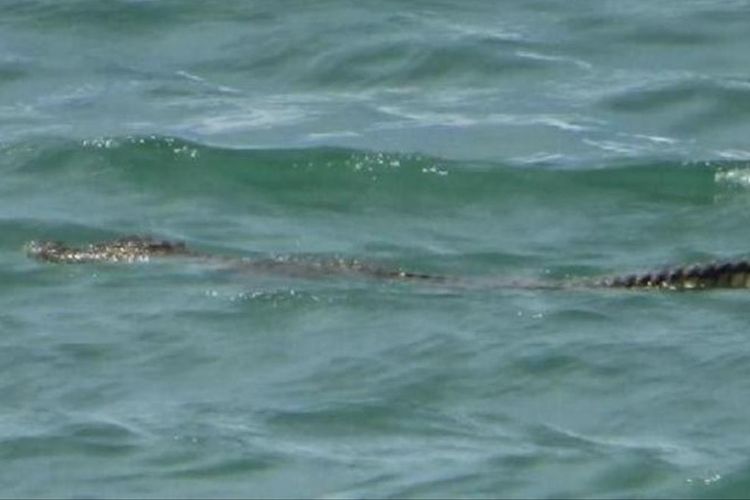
[(490, 142)]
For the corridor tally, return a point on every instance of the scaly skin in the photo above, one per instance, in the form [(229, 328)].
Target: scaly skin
[(142, 249), (129, 249), (132, 249), (699, 277)]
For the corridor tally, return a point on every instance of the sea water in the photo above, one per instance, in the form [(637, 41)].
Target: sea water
[(532, 141)]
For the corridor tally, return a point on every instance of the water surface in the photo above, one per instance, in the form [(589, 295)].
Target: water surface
[(529, 140)]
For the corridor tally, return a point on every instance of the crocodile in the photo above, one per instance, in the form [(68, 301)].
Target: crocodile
[(132, 249)]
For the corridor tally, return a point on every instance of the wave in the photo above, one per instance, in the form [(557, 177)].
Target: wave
[(151, 160), (468, 215)]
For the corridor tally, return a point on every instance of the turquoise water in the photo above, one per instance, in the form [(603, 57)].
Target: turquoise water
[(538, 141)]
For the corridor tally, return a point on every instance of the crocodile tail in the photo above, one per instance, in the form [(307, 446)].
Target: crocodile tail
[(706, 276)]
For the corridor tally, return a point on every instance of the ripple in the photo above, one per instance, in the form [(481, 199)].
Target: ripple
[(697, 103), (90, 437)]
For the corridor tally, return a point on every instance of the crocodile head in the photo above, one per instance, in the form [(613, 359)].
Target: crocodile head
[(129, 249)]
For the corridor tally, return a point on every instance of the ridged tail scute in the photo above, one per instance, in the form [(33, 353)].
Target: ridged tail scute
[(697, 277)]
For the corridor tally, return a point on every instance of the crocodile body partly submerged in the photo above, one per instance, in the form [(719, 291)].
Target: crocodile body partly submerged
[(142, 249), (132, 249)]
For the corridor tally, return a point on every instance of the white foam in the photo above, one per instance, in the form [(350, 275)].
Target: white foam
[(525, 54)]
